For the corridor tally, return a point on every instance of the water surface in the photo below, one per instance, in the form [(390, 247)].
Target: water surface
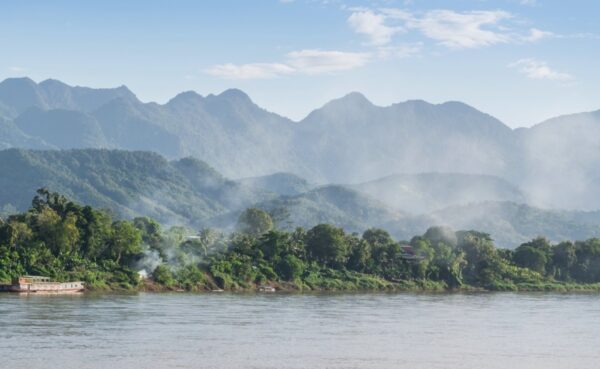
[(471, 331)]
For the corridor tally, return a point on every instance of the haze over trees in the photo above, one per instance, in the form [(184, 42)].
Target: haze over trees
[(191, 193)]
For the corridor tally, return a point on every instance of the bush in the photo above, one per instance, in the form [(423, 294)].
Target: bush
[(163, 275)]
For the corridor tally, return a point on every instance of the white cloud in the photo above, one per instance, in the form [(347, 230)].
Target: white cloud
[(537, 34), (311, 61), (373, 25), (250, 71), (536, 69), (449, 28), (461, 30), (320, 61)]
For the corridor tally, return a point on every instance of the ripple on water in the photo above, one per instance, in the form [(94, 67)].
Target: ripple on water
[(288, 331)]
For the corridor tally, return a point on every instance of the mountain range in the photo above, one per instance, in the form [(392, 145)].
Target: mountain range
[(348, 140), (199, 160)]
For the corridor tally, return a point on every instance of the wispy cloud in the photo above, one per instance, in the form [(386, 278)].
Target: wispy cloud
[(449, 28), (462, 30), (457, 30), (320, 61), (250, 71), (537, 69), (537, 34), (366, 22), (309, 62)]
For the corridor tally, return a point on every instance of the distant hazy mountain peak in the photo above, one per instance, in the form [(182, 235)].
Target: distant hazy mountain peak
[(20, 94), (419, 103), (52, 82), (234, 93), (18, 80), (352, 99), (415, 102), (185, 97), (349, 106), (590, 117), (457, 105)]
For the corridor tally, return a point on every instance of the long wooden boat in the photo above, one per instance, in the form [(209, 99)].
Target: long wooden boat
[(37, 284)]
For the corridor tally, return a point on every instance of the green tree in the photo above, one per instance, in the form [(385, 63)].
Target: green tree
[(480, 257), (255, 222), (96, 229), (543, 246), (360, 254), (326, 244), (423, 249), (377, 237), (531, 258), (60, 235), (150, 231), (443, 235), (290, 267), (587, 268), (209, 239), (126, 240), (273, 244), (163, 275), (382, 253), (564, 258)]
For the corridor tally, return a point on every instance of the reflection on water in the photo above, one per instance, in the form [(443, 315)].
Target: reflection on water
[(300, 331)]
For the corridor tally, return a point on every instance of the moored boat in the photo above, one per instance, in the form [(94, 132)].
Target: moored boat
[(38, 284), (266, 288)]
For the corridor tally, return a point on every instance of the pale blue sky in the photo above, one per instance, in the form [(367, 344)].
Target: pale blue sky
[(520, 60)]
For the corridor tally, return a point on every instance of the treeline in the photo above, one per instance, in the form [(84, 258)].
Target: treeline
[(63, 240), (66, 241), (327, 257)]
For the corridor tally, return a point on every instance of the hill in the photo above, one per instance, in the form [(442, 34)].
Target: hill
[(510, 224), (427, 192), (280, 183), (186, 191)]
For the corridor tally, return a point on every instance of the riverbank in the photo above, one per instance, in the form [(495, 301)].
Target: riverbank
[(148, 285), (64, 241)]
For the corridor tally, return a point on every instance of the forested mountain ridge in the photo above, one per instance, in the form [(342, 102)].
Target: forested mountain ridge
[(348, 140), (186, 191)]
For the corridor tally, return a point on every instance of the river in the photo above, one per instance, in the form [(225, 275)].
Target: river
[(402, 330)]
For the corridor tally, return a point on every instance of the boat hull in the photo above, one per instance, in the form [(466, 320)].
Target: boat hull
[(44, 288)]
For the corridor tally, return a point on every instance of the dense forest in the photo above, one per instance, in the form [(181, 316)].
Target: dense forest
[(66, 241)]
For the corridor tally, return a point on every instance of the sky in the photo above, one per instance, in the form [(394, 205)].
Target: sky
[(522, 61)]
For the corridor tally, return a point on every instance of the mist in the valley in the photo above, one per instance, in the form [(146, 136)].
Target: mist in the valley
[(445, 164)]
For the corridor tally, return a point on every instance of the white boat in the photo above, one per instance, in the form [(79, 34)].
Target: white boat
[(38, 284)]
